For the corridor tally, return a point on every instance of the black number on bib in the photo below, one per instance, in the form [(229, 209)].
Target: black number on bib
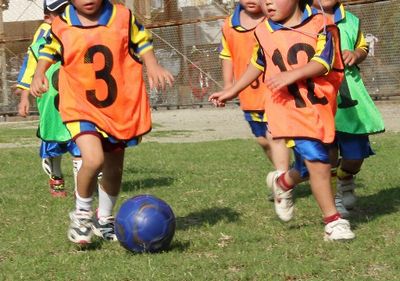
[(103, 74), (54, 83), (345, 98), (294, 88)]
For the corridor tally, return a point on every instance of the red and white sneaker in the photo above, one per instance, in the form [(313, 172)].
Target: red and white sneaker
[(338, 230), (283, 200), (57, 187)]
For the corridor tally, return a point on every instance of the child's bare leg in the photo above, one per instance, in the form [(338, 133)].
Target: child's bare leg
[(109, 189), (320, 181), (92, 163), (80, 230), (265, 145), (280, 153)]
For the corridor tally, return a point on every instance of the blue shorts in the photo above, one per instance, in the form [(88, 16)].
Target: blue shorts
[(110, 144), (353, 147), (310, 150), (54, 149), (257, 122)]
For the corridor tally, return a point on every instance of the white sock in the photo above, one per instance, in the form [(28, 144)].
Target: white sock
[(83, 203), (76, 165), (106, 203), (55, 163)]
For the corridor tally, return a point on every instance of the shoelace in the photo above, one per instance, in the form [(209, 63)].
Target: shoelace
[(107, 224), (83, 218)]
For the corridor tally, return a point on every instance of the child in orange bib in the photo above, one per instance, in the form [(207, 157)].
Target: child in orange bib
[(299, 58), (103, 99), (236, 48)]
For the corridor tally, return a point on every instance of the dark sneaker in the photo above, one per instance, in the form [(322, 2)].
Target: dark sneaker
[(57, 187), (104, 228), (80, 229)]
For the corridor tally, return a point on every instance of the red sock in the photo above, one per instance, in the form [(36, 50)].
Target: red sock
[(332, 218), (283, 183)]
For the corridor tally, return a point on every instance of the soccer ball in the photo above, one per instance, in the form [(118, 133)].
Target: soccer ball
[(145, 223)]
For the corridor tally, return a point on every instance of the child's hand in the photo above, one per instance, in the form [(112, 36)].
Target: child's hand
[(159, 77), (39, 85), (24, 104), (277, 82), (219, 98), (349, 57)]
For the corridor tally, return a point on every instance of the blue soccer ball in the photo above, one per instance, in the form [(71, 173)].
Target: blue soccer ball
[(145, 223)]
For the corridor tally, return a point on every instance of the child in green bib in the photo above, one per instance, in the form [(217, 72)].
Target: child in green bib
[(56, 139), (357, 117)]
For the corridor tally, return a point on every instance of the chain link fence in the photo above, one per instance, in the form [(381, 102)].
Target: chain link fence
[(186, 37)]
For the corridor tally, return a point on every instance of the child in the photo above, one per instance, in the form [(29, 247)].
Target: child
[(103, 100), (56, 139), (236, 47), (300, 59), (356, 116)]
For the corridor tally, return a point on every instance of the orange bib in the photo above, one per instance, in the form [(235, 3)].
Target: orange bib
[(304, 109), (241, 44), (99, 80)]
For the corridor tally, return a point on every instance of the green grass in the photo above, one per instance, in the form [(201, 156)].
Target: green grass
[(226, 230)]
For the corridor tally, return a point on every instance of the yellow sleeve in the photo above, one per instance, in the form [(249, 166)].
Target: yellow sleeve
[(30, 61), (141, 38), (325, 50), (27, 71), (51, 51), (361, 42), (224, 53), (257, 58)]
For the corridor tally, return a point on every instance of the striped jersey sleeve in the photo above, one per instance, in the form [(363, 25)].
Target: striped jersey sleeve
[(257, 58), (325, 50), (28, 67), (141, 38), (224, 52)]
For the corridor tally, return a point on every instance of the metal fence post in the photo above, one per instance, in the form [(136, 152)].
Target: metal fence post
[(3, 66)]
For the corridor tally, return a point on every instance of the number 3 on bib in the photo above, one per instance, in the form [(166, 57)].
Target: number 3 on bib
[(103, 74)]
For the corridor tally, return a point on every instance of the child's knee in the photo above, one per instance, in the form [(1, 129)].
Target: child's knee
[(93, 163)]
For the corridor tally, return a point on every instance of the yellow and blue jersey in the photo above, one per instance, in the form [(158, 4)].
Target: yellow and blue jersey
[(141, 39), (323, 53), (339, 14), (234, 22), (30, 61)]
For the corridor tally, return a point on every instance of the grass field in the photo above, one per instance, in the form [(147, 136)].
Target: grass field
[(226, 229)]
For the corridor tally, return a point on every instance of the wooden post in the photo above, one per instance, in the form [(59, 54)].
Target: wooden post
[(3, 66)]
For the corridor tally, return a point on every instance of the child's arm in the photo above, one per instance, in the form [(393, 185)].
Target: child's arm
[(226, 62), (321, 63), (24, 104), (251, 74), (311, 69), (40, 84), (353, 57), (157, 75), (359, 54), (227, 73)]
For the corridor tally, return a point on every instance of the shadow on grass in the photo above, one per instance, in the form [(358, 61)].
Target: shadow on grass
[(368, 208), (208, 216), (146, 183)]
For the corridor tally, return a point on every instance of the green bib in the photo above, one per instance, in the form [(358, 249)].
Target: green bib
[(51, 128), (356, 113)]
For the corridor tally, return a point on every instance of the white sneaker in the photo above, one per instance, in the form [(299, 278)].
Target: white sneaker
[(338, 230), (270, 191), (344, 213), (282, 199), (104, 228), (80, 230), (346, 189)]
